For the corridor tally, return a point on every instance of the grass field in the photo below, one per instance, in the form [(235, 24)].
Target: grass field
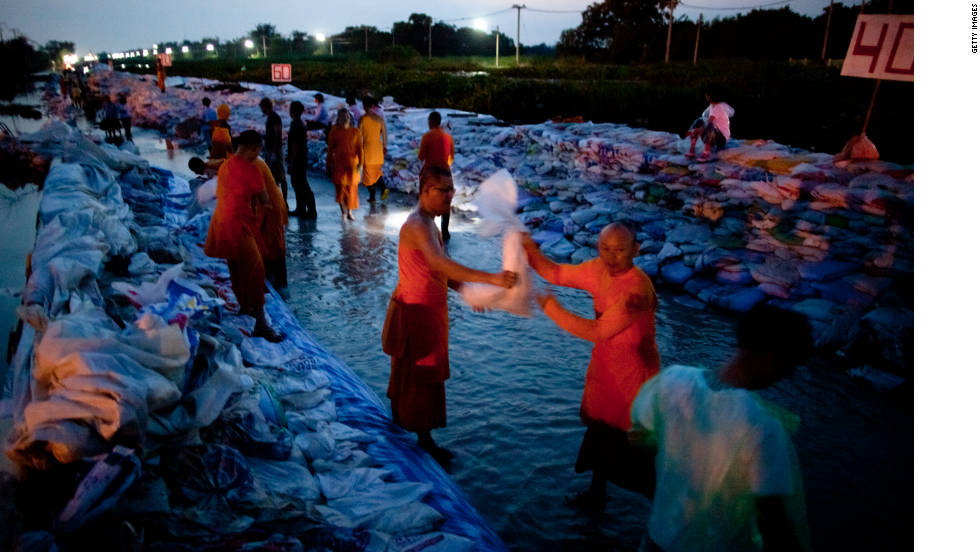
[(807, 105)]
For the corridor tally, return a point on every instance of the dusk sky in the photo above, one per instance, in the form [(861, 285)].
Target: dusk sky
[(115, 25)]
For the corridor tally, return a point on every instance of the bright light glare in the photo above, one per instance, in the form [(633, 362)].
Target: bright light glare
[(145, 53), (123, 65), (320, 37), (184, 49), (249, 44), (480, 24), (209, 47), (70, 59), (169, 51)]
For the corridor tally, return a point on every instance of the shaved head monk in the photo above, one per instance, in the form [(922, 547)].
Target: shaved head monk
[(416, 330), (624, 356)]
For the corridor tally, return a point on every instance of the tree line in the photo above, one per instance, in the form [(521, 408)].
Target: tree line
[(630, 31)]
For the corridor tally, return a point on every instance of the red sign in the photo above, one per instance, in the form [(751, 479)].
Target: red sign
[(881, 48), (165, 59), (282, 72)]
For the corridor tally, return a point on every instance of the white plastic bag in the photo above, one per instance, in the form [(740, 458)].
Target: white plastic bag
[(497, 202)]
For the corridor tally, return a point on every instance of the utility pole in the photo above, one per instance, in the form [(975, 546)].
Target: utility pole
[(331, 45), (697, 38), (496, 56), (430, 39), (517, 55), (826, 33), (670, 29), (265, 52), (365, 39)]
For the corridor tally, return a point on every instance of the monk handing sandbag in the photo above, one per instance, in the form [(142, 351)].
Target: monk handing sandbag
[(235, 230), (416, 330), (624, 356)]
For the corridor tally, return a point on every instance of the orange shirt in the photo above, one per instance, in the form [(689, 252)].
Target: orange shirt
[(374, 135), (436, 148), (624, 332)]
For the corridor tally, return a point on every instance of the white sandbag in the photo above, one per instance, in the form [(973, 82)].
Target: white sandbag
[(100, 489), (149, 293), (497, 201)]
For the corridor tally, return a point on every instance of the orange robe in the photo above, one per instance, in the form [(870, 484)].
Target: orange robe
[(624, 332), (220, 141), (272, 219), (416, 335), (373, 135), (345, 154), (233, 230), (437, 148)]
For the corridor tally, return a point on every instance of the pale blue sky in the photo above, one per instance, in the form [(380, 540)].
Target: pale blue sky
[(112, 25)]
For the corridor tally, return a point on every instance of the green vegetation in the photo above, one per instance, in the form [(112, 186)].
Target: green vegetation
[(807, 105)]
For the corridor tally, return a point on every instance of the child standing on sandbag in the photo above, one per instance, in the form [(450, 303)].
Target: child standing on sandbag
[(713, 127)]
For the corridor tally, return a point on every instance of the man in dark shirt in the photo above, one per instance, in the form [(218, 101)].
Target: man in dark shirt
[(272, 146), (296, 160)]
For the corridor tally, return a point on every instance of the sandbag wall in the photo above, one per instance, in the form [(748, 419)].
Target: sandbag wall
[(136, 370), (762, 223)]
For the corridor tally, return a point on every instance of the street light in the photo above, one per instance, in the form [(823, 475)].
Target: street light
[(209, 47), (249, 44), (145, 53), (184, 49), (169, 51), (320, 37)]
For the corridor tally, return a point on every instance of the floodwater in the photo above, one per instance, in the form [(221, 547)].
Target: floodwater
[(516, 384)]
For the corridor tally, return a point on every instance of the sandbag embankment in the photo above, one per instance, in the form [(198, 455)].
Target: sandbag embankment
[(136, 373)]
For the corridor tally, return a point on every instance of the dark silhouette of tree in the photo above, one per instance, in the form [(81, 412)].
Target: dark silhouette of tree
[(300, 43), (18, 60), (620, 30), (55, 49), (633, 30)]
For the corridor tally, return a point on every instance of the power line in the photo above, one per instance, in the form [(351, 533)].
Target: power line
[(752, 7), (498, 12), (553, 11)]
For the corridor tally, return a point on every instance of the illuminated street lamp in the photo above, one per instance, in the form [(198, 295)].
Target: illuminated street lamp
[(145, 53), (169, 51), (320, 37), (209, 47), (249, 44), (184, 49)]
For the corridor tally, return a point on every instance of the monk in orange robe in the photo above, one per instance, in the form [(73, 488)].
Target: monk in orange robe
[(345, 155), (624, 356), (416, 330), (437, 149), (272, 235), (234, 233), (221, 134), (374, 134)]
